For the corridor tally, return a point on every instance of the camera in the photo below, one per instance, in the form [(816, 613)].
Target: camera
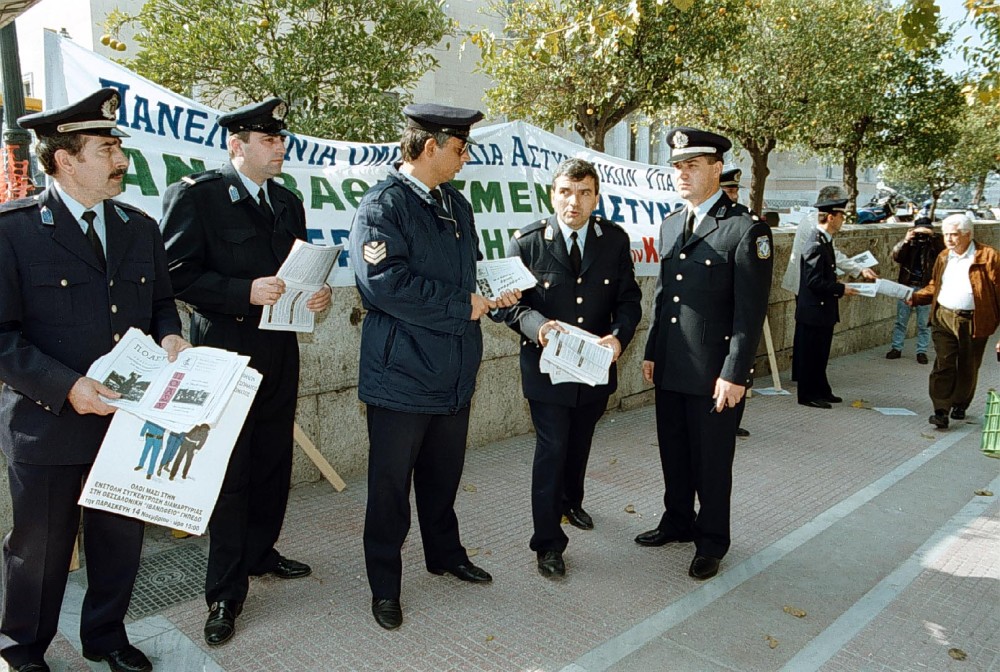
[(921, 238)]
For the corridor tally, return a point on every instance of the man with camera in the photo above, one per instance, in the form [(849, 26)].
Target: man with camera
[(915, 255)]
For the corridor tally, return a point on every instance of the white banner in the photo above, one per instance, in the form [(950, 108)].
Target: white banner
[(507, 181)]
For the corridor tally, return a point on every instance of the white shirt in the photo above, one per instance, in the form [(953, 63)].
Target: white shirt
[(76, 209), (956, 288), (581, 235), (254, 189)]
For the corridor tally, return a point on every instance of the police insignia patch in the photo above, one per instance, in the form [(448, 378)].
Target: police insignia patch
[(374, 252), (121, 214), (234, 194), (47, 216), (763, 247)]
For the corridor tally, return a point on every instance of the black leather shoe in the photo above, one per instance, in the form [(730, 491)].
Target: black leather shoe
[(125, 659), (957, 413), (834, 399), (893, 354), (388, 613), (922, 358), (742, 432), (31, 667), (551, 565), (466, 571), (657, 537), (703, 567), (290, 569), (939, 419), (221, 623), (577, 517), (815, 403)]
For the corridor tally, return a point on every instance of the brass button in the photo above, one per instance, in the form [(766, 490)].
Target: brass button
[(683, 256), (673, 320), (579, 299), (680, 277), (118, 337), (114, 309), (579, 320), (708, 262), (607, 281), (142, 280), (546, 285), (111, 283), (64, 282), (579, 281), (677, 299)]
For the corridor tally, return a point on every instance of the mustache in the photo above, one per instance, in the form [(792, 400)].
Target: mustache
[(118, 173)]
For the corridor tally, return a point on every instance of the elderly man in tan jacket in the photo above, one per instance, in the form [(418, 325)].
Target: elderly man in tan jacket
[(964, 294)]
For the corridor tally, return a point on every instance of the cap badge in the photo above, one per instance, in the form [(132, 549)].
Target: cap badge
[(680, 140), (279, 111), (110, 108)]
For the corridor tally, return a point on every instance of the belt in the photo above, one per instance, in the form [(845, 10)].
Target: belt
[(154, 436), (961, 313)]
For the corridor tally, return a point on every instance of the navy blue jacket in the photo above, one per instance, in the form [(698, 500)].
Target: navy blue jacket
[(415, 268), (817, 303), (59, 311), (605, 299)]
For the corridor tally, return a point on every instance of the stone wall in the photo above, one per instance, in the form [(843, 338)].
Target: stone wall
[(330, 413)]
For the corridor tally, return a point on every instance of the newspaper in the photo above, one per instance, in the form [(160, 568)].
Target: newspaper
[(575, 357), (865, 260), (305, 271), (496, 276), (163, 476), (177, 395), (884, 287)]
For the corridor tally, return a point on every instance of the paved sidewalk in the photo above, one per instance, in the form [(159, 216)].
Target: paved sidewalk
[(868, 524)]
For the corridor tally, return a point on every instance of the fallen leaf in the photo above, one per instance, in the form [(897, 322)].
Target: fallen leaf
[(469, 487), (629, 508), (472, 552), (564, 521), (771, 641), (489, 638), (797, 613), (860, 403), (984, 493), (613, 460), (957, 654), (927, 436)]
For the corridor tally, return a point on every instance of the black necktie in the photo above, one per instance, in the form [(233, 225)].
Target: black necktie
[(95, 240), (689, 226), (437, 196), (575, 258), (264, 206)]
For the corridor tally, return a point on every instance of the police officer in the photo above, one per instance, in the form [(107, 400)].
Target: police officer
[(708, 312), (77, 270), (414, 249), (227, 231), (730, 183), (583, 264)]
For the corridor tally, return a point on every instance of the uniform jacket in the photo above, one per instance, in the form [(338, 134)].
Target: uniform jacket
[(605, 299), (819, 291), (415, 268), (711, 299), (59, 311), (984, 275), (218, 241)]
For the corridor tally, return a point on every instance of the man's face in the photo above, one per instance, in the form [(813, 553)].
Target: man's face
[(697, 178), (834, 222), (733, 193), (448, 159), (98, 169), (262, 155), (955, 240), (574, 200)]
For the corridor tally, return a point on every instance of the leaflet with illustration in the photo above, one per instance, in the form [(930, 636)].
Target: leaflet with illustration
[(575, 357), (884, 287), (164, 476), (304, 272), (193, 389), (865, 260), (496, 276)]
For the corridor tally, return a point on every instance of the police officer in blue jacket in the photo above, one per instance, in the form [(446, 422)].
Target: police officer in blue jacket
[(583, 264), (414, 249), (77, 270), (708, 311)]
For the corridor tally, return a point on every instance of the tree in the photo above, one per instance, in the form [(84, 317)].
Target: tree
[(344, 65), (593, 63)]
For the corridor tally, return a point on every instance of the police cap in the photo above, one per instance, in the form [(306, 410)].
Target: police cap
[(831, 205), (93, 115), (454, 121), (730, 178), (266, 117), (687, 143)]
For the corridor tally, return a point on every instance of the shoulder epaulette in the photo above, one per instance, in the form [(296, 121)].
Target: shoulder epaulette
[(133, 208), (191, 180), (531, 228)]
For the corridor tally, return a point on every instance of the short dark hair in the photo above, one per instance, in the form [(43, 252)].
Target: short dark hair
[(412, 143), (242, 136), (576, 170), (48, 145)]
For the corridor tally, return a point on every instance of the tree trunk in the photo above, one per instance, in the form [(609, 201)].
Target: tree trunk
[(977, 195), (759, 172), (851, 181), (593, 131)]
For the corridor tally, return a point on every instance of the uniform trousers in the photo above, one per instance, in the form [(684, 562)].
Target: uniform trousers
[(36, 556), (429, 452), (812, 352), (697, 446), (563, 436), (250, 510), (957, 358)]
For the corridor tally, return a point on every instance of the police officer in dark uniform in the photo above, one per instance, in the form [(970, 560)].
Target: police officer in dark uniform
[(414, 249), (77, 270), (227, 231), (816, 306), (585, 274), (708, 311), (730, 183)]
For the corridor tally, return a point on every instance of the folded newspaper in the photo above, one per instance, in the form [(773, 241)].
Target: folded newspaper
[(304, 273), (884, 287), (496, 276), (191, 390), (575, 357)]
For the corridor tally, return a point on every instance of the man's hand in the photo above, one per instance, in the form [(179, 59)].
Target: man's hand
[(320, 300), (266, 291), (543, 331), (480, 306), (173, 344), (614, 344), (727, 394), (647, 371), (84, 399), (909, 235), (850, 291), (507, 299), (869, 274)]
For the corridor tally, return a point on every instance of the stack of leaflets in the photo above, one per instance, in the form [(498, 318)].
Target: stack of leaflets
[(496, 276), (575, 356)]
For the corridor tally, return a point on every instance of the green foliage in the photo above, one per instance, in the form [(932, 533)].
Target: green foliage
[(344, 65)]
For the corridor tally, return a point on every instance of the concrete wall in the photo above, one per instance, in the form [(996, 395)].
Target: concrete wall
[(330, 413)]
